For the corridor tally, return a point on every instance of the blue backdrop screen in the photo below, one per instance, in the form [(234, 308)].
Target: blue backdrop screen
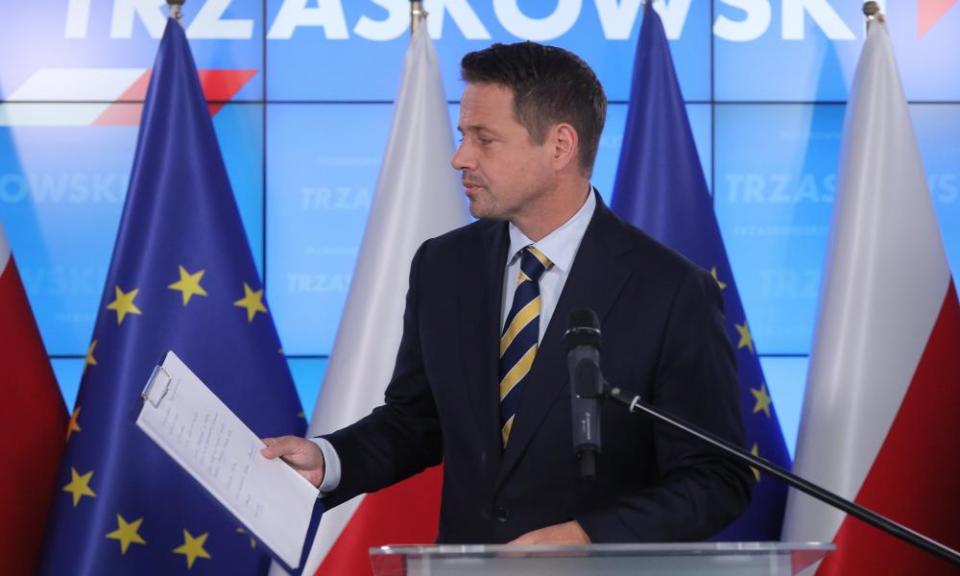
[(304, 91)]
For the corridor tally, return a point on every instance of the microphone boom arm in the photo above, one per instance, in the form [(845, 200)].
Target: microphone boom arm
[(634, 403)]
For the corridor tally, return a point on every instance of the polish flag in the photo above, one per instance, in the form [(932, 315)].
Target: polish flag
[(418, 196), (33, 422), (881, 418)]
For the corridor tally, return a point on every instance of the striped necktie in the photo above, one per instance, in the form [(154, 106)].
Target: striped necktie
[(518, 343)]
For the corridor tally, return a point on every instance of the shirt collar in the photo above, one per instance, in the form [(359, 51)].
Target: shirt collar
[(561, 245)]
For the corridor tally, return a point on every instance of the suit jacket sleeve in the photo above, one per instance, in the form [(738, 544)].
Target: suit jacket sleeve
[(401, 437), (699, 489)]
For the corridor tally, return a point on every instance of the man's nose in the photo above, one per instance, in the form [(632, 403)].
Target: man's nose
[(461, 158)]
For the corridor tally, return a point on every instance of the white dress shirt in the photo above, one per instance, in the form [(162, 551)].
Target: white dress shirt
[(560, 246)]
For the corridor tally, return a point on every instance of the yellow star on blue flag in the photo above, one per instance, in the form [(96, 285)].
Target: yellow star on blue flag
[(79, 486), (252, 301), (127, 533), (123, 304), (745, 337), (189, 285), (763, 399), (74, 424), (193, 548)]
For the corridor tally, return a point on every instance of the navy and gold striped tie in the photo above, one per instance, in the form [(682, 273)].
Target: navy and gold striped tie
[(518, 343)]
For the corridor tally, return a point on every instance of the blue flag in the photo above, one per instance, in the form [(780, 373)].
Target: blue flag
[(182, 278), (660, 188)]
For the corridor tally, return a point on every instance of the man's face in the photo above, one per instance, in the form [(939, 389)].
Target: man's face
[(506, 175)]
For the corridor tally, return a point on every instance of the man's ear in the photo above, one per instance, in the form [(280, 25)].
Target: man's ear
[(564, 146)]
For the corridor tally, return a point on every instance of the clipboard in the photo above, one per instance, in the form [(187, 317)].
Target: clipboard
[(279, 507)]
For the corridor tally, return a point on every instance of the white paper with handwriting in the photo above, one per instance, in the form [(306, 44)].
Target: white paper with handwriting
[(210, 442)]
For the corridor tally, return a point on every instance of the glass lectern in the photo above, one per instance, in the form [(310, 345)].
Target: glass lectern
[(715, 559)]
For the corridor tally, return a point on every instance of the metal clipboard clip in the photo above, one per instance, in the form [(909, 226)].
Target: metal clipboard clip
[(157, 387)]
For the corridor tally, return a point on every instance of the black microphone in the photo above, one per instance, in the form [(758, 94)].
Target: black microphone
[(582, 341)]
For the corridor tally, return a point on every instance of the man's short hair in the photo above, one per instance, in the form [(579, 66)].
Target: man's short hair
[(550, 85)]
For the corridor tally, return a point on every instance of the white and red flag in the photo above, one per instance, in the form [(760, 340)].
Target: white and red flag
[(33, 425), (880, 421), (418, 196)]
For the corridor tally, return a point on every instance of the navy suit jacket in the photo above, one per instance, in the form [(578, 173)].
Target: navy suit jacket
[(662, 337)]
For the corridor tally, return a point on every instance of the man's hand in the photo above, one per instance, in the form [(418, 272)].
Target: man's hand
[(566, 533), (305, 456)]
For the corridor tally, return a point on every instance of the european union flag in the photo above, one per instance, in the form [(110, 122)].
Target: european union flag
[(182, 278), (661, 189)]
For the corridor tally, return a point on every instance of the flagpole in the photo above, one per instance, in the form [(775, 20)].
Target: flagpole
[(176, 9), (417, 15)]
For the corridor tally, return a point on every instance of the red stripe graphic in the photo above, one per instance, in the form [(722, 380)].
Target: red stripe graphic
[(218, 85), (929, 12), (405, 513), (915, 478)]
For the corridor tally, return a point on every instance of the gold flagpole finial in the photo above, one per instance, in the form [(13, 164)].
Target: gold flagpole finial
[(871, 10), (417, 15), (176, 9)]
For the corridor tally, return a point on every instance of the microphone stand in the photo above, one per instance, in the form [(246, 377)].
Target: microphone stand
[(634, 404)]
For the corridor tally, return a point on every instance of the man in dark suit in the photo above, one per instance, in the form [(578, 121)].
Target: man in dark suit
[(481, 382)]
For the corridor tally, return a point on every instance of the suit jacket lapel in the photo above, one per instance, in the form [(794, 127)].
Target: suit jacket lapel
[(482, 270), (594, 282)]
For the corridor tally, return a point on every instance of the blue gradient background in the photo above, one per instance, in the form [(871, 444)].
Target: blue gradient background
[(303, 141)]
